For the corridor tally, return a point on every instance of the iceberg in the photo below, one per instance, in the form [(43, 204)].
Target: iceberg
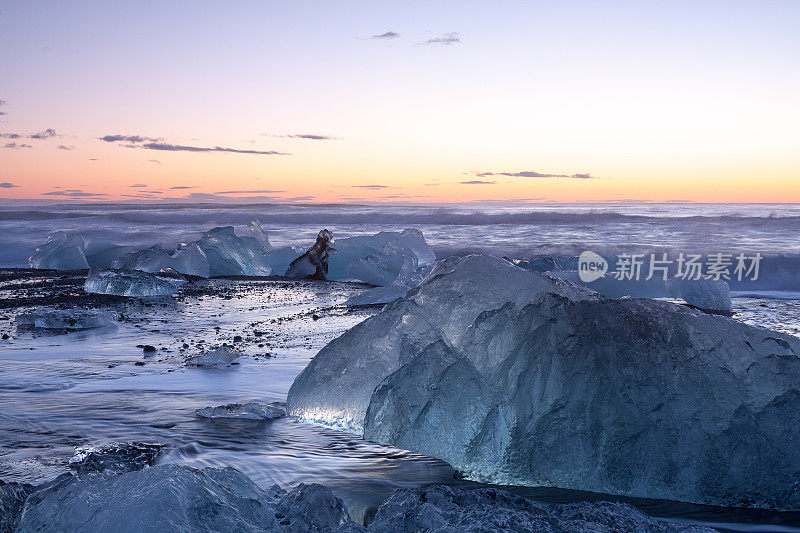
[(62, 251), (172, 498), (231, 255), (64, 319), (443, 509), (103, 252), (516, 377), (221, 356), (313, 264), (279, 259), (352, 249), (133, 283), (242, 411)]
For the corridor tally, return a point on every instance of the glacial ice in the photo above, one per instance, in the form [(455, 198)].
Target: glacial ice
[(189, 259), (132, 283), (443, 509), (279, 259), (102, 252), (352, 249), (12, 501), (62, 251), (243, 411), (64, 319), (173, 498), (391, 264), (220, 356), (115, 457), (378, 295), (708, 294), (231, 255), (513, 376)]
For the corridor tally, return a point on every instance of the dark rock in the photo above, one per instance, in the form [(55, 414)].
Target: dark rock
[(148, 348)]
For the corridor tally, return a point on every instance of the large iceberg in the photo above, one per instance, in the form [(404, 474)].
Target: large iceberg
[(188, 259), (62, 251), (513, 376), (172, 498), (133, 283)]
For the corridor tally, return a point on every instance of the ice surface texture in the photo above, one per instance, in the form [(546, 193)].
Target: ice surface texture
[(516, 377), (60, 252), (221, 356), (174, 498), (443, 509), (132, 283), (63, 319), (116, 457), (242, 411)]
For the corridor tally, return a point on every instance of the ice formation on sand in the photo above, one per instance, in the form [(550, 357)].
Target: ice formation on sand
[(443, 509), (64, 319), (132, 283), (173, 498), (243, 411), (62, 251), (221, 356), (513, 376), (313, 264)]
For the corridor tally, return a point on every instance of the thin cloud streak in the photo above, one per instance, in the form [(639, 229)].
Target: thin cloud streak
[(257, 191), (446, 39), (387, 35), (7, 185), (153, 143), (533, 174), (477, 182)]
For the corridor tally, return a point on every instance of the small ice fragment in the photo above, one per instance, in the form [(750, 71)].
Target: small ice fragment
[(244, 411), (221, 356), (707, 294)]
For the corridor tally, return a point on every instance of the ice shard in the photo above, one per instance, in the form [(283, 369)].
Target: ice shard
[(62, 251), (133, 283)]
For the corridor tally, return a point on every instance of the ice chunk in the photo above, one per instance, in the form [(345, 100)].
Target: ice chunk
[(255, 231), (516, 377), (378, 295), (188, 259), (443, 509), (391, 264), (102, 252), (220, 356), (231, 255), (62, 251), (353, 248), (64, 319), (708, 294), (313, 264), (129, 283), (172, 499), (246, 411), (279, 259), (116, 457)]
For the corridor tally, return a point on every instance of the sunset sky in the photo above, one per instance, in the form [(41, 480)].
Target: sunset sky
[(573, 101)]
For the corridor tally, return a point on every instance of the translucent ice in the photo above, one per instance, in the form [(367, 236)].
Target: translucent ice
[(709, 294), (62, 251), (245, 411), (513, 376), (391, 264), (188, 259), (354, 248), (231, 255), (64, 319), (172, 499), (102, 252), (129, 283), (220, 356), (378, 295), (115, 457)]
